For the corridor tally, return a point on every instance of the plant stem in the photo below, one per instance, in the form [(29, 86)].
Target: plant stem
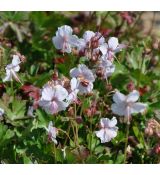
[(126, 143), (74, 133), (141, 66), (76, 126), (12, 89), (91, 135), (66, 134), (55, 156)]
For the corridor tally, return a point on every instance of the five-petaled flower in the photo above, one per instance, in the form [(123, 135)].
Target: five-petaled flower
[(111, 48), (12, 68), (64, 40), (89, 40), (127, 105), (108, 129), (85, 77), (53, 98)]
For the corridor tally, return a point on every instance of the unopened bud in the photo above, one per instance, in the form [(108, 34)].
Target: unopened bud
[(79, 119), (76, 30), (100, 72), (130, 86)]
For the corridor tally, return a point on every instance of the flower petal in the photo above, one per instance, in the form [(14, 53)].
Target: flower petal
[(119, 97), (48, 93), (113, 43), (16, 68), (133, 96), (138, 107), (58, 42), (104, 122), (118, 109), (75, 72), (104, 48), (8, 76), (61, 105), (74, 83), (73, 40), (64, 31), (60, 92), (106, 134), (112, 122), (88, 35), (53, 107), (16, 60)]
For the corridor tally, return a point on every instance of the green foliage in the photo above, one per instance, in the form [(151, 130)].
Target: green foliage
[(24, 138)]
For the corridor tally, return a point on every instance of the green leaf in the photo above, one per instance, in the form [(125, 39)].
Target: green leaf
[(5, 134), (42, 120)]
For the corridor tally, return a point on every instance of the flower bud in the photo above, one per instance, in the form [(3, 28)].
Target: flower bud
[(157, 149), (130, 86), (76, 30), (149, 131), (71, 111), (55, 75), (155, 44), (88, 112), (79, 119)]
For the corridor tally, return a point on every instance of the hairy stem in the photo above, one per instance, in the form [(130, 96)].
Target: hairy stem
[(126, 143)]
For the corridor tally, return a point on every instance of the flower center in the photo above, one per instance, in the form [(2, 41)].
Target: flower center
[(83, 81), (54, 99)]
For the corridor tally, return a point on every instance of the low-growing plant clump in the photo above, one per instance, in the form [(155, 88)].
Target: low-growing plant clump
[(82, 94)]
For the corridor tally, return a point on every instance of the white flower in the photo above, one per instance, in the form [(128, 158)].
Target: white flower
[(64, 39), (107, 67), (86, 41), (52, 132), (73, 94), (12, 68), (127, 105), (52, 99), (108, 129), (85, 77), (111, 48), (1, 112)]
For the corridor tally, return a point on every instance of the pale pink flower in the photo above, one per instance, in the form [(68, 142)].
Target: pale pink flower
[(85, 42), (64, 40), (111, 48), (127, 105), (12, 68), (53, 99), (107, 67), (85, 77), (108, 129)]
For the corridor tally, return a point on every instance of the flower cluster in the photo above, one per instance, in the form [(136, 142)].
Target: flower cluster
[(100, 55), (59, 93)]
